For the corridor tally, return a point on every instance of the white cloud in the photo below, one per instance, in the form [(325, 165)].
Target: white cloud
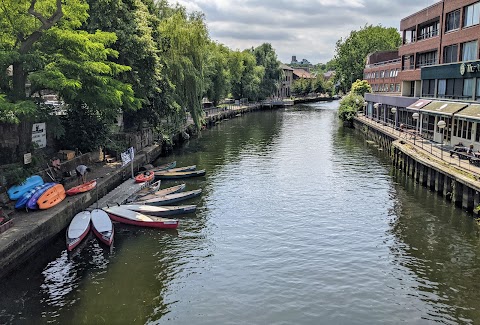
[(306, 28)]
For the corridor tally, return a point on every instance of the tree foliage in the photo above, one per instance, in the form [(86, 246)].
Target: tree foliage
[(361, 87), (351, 52), (349, 106), (267, 58)]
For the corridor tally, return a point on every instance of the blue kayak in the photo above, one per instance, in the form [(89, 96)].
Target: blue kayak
[(17, 191), (32, 202), (22, 201)]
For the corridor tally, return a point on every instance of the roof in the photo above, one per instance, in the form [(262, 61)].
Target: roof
[(471, 112), (286, 67), (302, 74), (443, 108), (329, 74), (419, 104)]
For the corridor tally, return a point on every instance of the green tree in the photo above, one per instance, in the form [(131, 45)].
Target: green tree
[(349, 106), (351, 52), (267, 58), (318, 84), (246, 76), (185, 55), (217, 76), (135, 23), (360, 87)]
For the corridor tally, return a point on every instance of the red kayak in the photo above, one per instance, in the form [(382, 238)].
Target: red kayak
[(144, 177), (82, 188)]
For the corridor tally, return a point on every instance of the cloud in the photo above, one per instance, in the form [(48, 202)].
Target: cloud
[(305, 28)]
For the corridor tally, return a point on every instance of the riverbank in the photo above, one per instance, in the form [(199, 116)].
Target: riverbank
[(31, 231)]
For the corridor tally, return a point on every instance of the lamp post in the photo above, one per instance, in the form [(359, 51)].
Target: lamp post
[(394, 111), (415, 117), (441, 125)]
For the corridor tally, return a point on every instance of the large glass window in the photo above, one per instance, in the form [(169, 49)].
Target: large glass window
[(468, 87), (428, 58), (442, 88), (452, 20), (469, 51), (450, 53), (471, 15), (428, 31)]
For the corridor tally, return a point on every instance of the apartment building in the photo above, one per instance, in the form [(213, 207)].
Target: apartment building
[(439, 74), (381, 72)]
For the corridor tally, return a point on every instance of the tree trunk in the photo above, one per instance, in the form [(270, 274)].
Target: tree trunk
[(19, 79)]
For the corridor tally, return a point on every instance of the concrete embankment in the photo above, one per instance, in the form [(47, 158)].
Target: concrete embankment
[(33, 230)]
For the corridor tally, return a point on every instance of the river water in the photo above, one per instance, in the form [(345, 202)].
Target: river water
[(300, 222)]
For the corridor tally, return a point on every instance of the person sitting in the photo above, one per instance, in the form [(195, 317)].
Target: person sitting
[(470, 150), (82, 171)]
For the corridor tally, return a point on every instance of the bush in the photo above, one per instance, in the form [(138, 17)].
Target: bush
[(349, 106)]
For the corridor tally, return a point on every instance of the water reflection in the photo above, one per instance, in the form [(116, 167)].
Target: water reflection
[(300, 222)]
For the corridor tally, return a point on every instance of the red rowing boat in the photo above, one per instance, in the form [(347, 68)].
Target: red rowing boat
[(144, 177), (82, 188), (135, 218)]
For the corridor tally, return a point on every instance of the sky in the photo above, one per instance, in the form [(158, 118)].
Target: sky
[(307, 29)]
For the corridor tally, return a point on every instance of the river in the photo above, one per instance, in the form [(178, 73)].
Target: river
[(300, 222)]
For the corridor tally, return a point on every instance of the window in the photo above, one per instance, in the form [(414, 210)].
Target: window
[(450, 88), (450, 53), (382, 74), (428, 87), (468, 87), (428, 58), (442, 88), (428, 31), (452, 20), (408, 62), (471, 15), (392, 88), (469, 51), (397, 88)]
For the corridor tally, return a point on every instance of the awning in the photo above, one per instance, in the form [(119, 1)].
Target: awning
[(443, 108), (419, 104), (471, 113)]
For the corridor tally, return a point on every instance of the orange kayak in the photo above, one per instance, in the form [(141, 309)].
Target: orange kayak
[(51, 197), (82, 188), (144, 177)]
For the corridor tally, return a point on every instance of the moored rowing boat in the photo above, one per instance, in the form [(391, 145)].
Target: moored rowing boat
[(160, 211), (177, 175), (138, 219), (165, 191), (171, 198), (78, 229), (102, 226)]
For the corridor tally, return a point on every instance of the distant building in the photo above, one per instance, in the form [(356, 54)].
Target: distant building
[(302, 74), (329, 75), (294, 60), (381, 72), (285, 82)]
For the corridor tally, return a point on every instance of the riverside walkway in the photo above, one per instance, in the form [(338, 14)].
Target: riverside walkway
[(434, 151)]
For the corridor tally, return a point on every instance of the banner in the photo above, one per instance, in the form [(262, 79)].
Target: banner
[(127, 156)]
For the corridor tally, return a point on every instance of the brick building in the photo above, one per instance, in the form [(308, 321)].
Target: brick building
[(439, 74)]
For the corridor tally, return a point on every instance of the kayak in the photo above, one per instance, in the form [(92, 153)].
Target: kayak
[(137, 219), (82, 188), (176, 170), (15, 192), (102, 226), (146, 176), (78, 229), (53, 196), (150, 189), (32, 202), (22, 201)]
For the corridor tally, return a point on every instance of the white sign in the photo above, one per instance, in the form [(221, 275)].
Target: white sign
[(39, 134), (27, 158), (127, 156)]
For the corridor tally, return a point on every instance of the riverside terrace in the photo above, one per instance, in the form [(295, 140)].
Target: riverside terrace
[(428, 162)]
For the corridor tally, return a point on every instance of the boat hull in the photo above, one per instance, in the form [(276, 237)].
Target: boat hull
[(137, 219), (102, 226), (144, 177), (53, 196), (78, 229), (161, 211), (82, 188), (160, 193), (169, 165), (15, 192), (32, 202), (171, 198), (178, 175)]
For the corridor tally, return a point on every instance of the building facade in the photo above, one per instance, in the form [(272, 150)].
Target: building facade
[(381, 72), (439, 74)]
